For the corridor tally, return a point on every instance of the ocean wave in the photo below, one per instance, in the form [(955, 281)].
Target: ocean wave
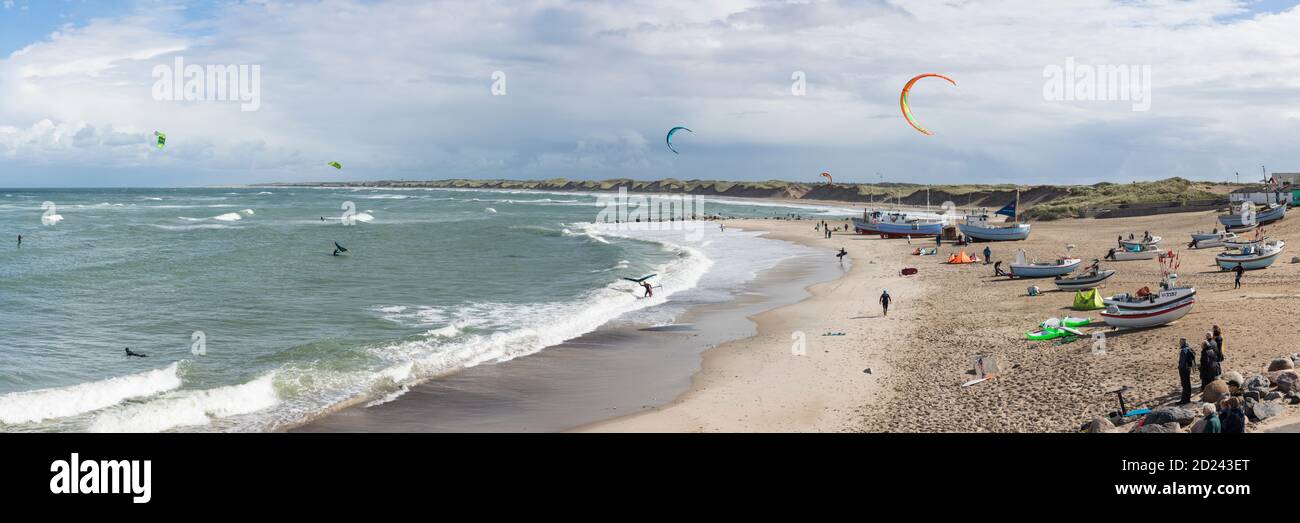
[(62, 402), (190, 408)]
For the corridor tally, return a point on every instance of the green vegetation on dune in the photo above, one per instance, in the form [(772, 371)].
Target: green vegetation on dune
[(1081, 200), (1039, 202)]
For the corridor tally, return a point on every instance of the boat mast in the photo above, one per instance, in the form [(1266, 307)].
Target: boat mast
[(1017, 213)]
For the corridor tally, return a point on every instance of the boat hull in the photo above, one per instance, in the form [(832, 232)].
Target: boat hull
[(1130, 256), (1044, 271), (1258, 260), (900, 230), (1143, 319), (864, 227), (1084, 282), (1141, 244), (1247, 263), (995, 234), (1261, 218), (1163, 300)]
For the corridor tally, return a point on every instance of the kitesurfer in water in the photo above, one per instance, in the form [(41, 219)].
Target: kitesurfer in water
[(339, 249), (136, 354), (648, 289), (20, 241)]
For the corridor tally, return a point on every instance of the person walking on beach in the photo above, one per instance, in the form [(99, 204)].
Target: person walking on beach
[(841, 255), (1209, 361), (1212, 425), (1236, 283), (1218, 341), (1186, 358), (988, 253), (885, 300), (938, 241)]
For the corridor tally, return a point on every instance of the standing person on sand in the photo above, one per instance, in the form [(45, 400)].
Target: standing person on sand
[(885, 300), (1218, 341), (1209, 361), (988, 253), (1236, 284), (1186, 359)]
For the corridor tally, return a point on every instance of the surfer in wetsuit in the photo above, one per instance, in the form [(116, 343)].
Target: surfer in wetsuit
[(136, 354), (339, 249), (841, 255), (20, 241), (649, 291)]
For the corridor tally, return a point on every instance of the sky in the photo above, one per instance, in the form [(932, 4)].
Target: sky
[(582, 89)]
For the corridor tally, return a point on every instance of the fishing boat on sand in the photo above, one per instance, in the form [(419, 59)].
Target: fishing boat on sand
[(1140, 243), (1243, 228), (896, 225), (1037, 269), (1133, 252), (1252, 256), (1132, 319), (1249, 215), (1208, 240), (978, 227), (1145, 300), (1090, 279)]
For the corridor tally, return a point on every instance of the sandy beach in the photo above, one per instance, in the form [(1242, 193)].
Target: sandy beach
[(946, 315)]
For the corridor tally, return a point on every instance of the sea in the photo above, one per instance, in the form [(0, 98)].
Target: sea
[(250, 321)]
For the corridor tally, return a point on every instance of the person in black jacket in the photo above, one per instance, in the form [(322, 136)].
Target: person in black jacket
[(1232, 416), (1209, 361), (1218, 341), (1186, 359)]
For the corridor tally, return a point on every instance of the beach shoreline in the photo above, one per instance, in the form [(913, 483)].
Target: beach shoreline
[(623, 366), (769, 382)]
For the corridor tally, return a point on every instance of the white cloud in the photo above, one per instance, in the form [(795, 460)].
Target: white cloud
[(402, 89)]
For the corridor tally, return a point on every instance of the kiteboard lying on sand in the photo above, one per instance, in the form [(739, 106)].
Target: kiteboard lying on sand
[(1052, 333), (978, 380)]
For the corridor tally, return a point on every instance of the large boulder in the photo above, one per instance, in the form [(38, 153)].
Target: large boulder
[(1280, 364), (1100, 424), (1232, 378), (1266, 409), (1215, 391), (1182, 415), (1287, 381), (1273, 396), (1157, 428), (1257, 383)]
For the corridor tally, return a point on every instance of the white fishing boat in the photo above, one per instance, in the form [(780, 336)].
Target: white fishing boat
[(978, 227), (1243, 228), (1140, 243), (1251, 257), (1150, 252), (1139, 319), (1206, 241), (1037, 269), (1249, 215), (1146, 300), (1212, 235)]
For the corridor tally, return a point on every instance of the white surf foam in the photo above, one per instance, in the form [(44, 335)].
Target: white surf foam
[(190, 408), (61, 402)]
